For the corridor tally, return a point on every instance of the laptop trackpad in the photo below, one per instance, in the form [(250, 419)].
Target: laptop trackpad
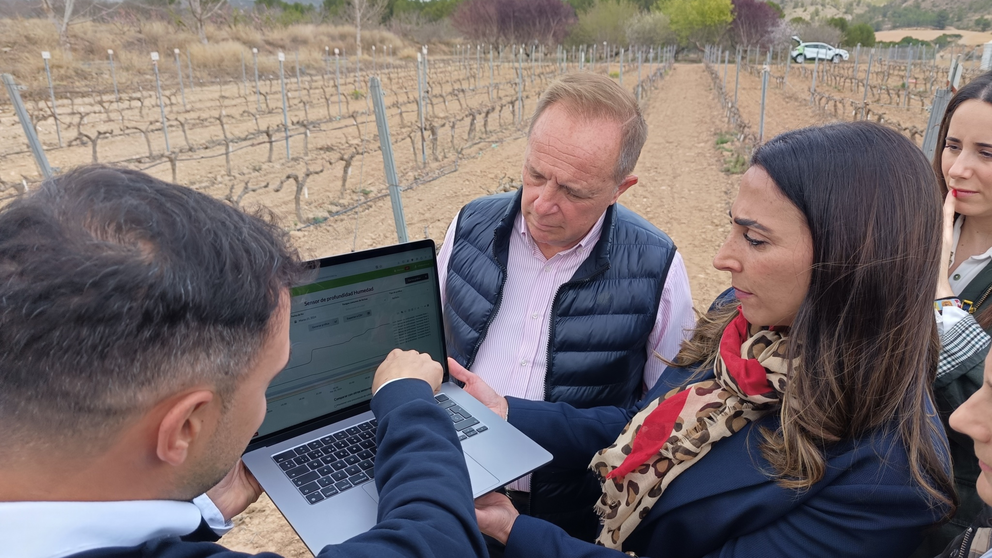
[(482, 480)]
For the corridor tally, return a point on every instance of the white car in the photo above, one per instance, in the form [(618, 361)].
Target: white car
[(823, 51)]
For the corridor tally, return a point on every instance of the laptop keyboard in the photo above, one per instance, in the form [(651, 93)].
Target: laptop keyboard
[(328, 466), (466, 425)]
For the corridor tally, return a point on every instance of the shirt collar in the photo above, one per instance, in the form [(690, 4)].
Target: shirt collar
[(56, 529), (590, 239), (957, 236)]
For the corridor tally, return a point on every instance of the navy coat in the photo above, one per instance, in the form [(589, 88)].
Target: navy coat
[(728, 504), (425, 496)]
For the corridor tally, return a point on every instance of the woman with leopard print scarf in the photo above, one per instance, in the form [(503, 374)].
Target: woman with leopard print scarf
[(798, 420)]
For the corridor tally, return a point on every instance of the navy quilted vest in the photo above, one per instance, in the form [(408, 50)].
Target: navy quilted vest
[(600, 319)]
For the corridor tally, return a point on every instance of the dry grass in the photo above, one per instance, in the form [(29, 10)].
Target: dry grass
[(22, 40)]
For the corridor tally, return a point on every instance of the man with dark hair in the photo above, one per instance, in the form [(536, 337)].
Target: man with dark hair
[(140, 324)]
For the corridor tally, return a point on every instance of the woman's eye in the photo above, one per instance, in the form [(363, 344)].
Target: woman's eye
[(753, 241)]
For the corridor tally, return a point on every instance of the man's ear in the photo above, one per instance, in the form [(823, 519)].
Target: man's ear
[(186, 418), (627, 183)]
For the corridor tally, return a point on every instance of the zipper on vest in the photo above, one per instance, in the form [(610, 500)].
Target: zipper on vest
[(551, 325), (974, 307), (965, 542), (492, 315)]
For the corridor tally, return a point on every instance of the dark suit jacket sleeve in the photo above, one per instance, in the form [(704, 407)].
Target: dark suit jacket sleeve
[(533, 537), (203, 533), (573, 435), (839, 523), (425, 495)]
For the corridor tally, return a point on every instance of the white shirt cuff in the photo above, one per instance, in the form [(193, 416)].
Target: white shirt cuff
[(215, 520), (948, 317), (387, 383)]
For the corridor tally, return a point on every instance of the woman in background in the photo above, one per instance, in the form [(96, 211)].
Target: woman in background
[(963, 164)]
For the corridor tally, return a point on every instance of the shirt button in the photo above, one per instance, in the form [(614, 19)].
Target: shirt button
[(523, 362), (957, 276), (535, 315)]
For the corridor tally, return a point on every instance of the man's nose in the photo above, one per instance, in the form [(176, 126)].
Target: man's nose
[(547, 201)]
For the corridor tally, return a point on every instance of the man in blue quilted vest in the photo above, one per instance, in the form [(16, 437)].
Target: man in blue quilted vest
[(556, 292)]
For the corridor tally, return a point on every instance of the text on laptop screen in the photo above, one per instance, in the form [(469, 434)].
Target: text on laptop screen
[(344, 324)]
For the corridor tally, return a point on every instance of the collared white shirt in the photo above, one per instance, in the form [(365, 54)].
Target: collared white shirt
[(959, 280), (57, 529), (960, 334), (513, 357), (969, 268)]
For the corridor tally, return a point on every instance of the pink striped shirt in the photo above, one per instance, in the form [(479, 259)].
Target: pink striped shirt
[(513, 357)]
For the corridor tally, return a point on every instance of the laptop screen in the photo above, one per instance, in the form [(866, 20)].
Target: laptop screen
[(359, 307)]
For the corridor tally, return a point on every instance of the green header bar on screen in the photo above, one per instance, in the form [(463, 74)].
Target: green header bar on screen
[(361, 277)]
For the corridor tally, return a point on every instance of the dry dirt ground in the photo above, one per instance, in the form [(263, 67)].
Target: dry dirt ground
[(681, 190)]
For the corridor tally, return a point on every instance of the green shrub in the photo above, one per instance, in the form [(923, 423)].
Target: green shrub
[(736, 164)]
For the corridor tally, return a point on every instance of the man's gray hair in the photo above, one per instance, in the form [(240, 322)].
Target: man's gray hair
[(595, 96)]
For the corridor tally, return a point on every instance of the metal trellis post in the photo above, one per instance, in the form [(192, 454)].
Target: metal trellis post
[(337, 77), (161, 106), (285, 112), (422, 108), (113, 75), (258, 99), (51, 90), (25, 119), (189, 63), (864, 99), (299, 86), (764, 91), (179, 71), (737, 76), (386, 145)]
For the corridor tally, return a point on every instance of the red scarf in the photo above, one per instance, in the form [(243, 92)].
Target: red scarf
[(750, 375)]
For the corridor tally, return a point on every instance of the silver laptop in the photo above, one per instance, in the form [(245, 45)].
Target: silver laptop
[(315, 451)]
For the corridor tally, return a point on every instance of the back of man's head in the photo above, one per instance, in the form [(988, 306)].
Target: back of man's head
[(593, 96), (117, 289)]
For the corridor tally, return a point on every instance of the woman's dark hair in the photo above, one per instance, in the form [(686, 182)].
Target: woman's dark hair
[(864, 335), (979, 88)]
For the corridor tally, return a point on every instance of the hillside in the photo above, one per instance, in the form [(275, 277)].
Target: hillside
[(973, 15), (969, 38)]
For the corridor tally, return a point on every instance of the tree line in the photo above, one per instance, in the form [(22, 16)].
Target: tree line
[(688, 23)]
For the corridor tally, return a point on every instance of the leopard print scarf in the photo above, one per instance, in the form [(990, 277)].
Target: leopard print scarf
[(672, 432)]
